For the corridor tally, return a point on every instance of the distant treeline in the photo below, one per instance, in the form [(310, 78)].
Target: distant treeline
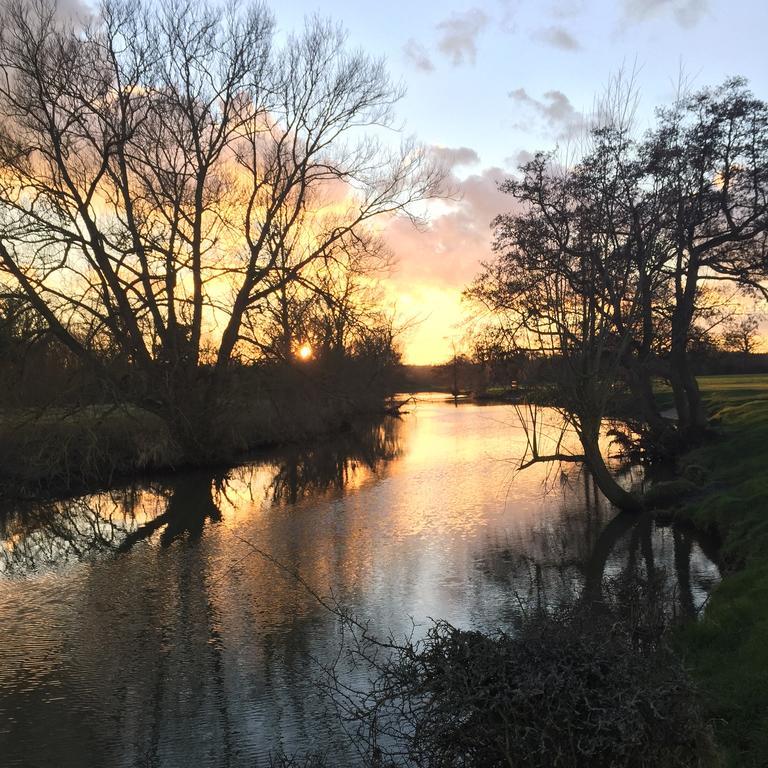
[(478, 378)]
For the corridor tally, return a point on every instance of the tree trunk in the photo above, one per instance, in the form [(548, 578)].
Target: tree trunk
[(640, 385), (606, 482), (681, 399), (187, 396), (692, 420), (695, 406)]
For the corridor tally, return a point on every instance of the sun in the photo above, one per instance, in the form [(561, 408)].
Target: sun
[(305, 352)]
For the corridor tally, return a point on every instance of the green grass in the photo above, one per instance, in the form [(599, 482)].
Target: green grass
[(722, 389), (61, 449), (728, 649), (734, 388)]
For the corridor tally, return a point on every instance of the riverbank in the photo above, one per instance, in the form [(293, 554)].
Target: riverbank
[(727, 650), (67, 449), (726, 481)]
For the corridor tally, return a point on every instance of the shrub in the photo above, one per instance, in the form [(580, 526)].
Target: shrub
[(584, 687)]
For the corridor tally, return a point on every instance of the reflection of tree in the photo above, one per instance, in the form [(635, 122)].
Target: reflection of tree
[(332, 465), (51, 533), (182, 650), (683, 544), (190, 505), (582, 552)]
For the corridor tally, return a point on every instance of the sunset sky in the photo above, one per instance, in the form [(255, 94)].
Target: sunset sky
[(490, 82)]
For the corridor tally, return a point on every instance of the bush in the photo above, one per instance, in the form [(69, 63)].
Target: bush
[(669, 493), (585, 687)]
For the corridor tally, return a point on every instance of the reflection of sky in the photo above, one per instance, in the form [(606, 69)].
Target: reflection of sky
[(204, 651)]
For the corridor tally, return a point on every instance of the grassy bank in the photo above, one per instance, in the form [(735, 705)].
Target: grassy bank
[(728, 649), (64, 449)]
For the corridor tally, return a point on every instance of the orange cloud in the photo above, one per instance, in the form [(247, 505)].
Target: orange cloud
[(435, 264)]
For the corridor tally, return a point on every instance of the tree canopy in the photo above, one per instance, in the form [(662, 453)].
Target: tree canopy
[(605, 263), (166, 170)]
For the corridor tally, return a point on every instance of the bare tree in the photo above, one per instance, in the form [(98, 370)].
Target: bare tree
[(159, 161), (708, 160), (742, 336), (555, 274), (606, 266), (328, 307)]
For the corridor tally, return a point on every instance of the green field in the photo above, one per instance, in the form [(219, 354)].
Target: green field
[(728, 650), (722, 389)]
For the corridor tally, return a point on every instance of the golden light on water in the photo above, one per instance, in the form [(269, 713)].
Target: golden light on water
[(305, 352)]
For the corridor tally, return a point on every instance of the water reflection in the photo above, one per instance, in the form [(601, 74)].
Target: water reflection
[(577, 561), (50, 534), (139, 630), (344, 463)]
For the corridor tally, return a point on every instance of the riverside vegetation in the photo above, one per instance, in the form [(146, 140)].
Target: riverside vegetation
[(727, 650), (63, 448), (189, 233)]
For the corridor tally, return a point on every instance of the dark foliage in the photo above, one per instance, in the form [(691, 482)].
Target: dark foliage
[(590, 686)]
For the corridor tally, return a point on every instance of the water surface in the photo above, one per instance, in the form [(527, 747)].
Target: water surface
[(141, 628)]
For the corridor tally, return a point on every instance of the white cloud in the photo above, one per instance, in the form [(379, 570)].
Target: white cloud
[(555, 108), (418, 55), (687, 13), (458, 35), (451, 157), (558, 37)]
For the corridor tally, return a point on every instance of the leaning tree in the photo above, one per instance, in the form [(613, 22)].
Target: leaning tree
[(560, 275)]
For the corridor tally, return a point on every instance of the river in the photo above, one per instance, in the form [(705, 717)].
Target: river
[(166, 624)]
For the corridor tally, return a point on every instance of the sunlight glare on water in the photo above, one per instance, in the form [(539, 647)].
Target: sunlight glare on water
[(140, 628)]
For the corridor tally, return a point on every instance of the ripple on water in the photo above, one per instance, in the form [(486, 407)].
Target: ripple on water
[(140, 628)]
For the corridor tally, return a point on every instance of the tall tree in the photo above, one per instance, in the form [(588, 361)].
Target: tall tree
[(561, 275), (606, 265), (158, 160), (707, 159)]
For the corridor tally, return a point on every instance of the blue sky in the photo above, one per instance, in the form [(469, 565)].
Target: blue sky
[(481, 53)]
